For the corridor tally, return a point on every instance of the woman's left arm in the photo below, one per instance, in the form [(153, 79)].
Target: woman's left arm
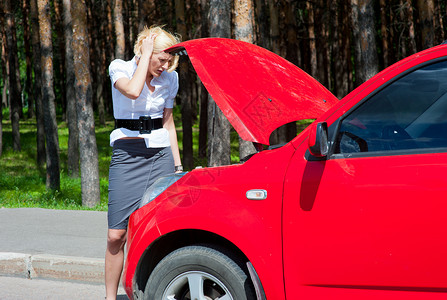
[(168, 123)]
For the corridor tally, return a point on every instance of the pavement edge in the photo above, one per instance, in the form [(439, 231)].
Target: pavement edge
[(46, 266)]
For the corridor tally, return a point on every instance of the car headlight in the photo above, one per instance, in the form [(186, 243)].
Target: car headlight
[(159, 186)]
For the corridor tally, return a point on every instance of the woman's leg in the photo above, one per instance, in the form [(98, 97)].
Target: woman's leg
[(116, 239)]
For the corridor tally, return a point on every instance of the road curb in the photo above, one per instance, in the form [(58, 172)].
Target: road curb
[(45, 266)]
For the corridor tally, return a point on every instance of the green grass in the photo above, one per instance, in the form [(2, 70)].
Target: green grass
[(22, 182)]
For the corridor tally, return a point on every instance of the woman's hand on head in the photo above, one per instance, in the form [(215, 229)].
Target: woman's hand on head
[(147, 46)]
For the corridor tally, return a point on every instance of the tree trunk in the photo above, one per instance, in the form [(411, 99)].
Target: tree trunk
[(203, 121), (203, 98), (127, 22), (244, 31), (93, 28), (185, 90), (3, 76), (59, 60), (73, 133), (384, 32), (146, 13), (337, 50), (40, 126), (219, 18), (365, 54), (312, 39), (262, 24), (101, 66), (27, 46), (100, 90), (104, 58), (439, 32), (110, 41), (292, 50), (403, 34), (14, 81), (346, 44), (84, 108), (326, 47), (98, 57), (51, 134), (4, 61), (1, 120), (411, 34), (274, 25), (108, 49), (320, 42), (426, 14), (392, 32), (120, 46), (20, 102), (133, 24), (280, 134), (244, 20)]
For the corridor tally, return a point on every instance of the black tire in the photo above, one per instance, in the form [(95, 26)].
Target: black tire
[(213, 275)]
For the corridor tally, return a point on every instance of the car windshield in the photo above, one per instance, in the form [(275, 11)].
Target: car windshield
[(410, 113)]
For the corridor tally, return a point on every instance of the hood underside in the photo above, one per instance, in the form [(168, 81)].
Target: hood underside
[(257, 90)]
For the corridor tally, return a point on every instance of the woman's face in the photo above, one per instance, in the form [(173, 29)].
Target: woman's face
[(159, 62)]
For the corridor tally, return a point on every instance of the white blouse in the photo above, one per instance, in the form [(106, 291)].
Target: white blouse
[(147, 104)]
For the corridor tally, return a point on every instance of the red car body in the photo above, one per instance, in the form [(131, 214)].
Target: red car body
[(339, 226)]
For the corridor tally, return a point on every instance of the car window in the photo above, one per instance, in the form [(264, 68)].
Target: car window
[(410, 113)]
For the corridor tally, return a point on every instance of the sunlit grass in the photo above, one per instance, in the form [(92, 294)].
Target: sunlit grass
[(22, 182)]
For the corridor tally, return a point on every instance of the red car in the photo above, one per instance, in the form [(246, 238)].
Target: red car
[(354, 207)]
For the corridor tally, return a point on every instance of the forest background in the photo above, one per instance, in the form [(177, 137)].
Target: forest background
[(56, 95)]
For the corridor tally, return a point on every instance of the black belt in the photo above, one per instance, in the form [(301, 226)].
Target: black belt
[(144, 124)]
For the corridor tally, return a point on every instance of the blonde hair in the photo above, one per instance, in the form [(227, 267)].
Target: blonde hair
[(163, 40)]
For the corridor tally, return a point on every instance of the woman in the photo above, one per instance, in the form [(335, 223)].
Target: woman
[(144, 140)]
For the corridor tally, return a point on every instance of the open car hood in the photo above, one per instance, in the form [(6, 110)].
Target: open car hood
[(257, 90)]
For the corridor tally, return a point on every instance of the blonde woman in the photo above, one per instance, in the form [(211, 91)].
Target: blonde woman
[(144, 140)]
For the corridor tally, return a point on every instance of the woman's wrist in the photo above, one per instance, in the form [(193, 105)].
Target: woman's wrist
[(178, 168)]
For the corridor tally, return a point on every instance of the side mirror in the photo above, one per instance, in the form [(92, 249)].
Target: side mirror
[(318, 140)]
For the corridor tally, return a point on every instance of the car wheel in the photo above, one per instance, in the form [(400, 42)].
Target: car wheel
[(199, 273)]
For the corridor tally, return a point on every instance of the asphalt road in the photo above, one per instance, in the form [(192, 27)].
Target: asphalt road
[(12, 288), (53, 240), (53, 232)]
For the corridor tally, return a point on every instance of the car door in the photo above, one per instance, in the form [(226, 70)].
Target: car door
[(370, 220)]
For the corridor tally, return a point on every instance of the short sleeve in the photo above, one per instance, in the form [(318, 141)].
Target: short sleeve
[(118, 69), (173, 90)]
